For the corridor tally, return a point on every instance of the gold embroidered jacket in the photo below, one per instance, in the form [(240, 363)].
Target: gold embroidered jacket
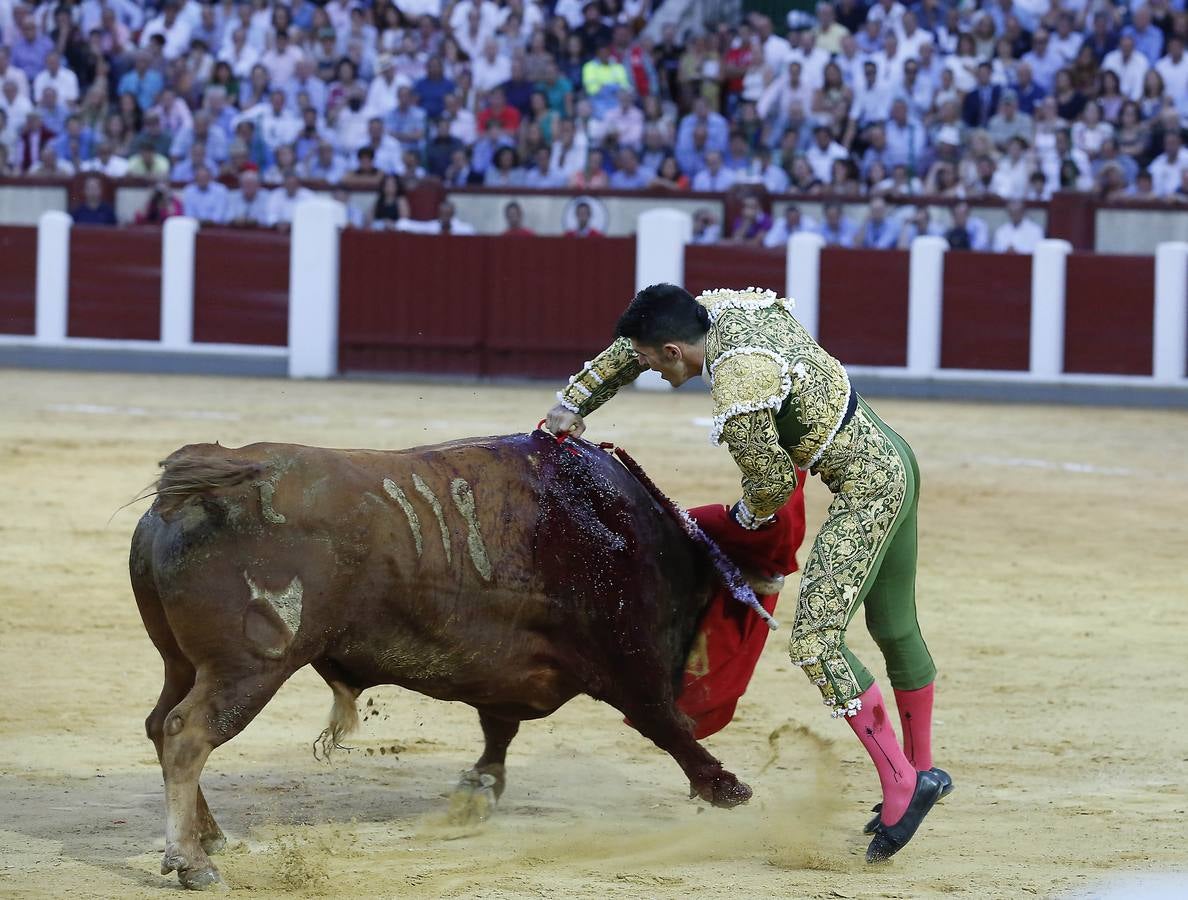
[(779, 398)]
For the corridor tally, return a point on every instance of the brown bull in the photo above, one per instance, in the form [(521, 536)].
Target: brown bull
[(510, 573)]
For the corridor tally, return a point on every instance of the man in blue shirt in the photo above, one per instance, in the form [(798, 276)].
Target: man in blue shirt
[(30, 49), (407, 122), (1148, 40), (630, 177), (432, 89), (141, 81), (93, 210), (877, 232), (837, 230), (205, 199)]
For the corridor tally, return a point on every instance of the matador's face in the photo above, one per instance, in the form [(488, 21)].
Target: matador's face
[(670, 360)]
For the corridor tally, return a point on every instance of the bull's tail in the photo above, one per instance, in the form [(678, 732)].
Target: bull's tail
[(344, 718), (189, 472)]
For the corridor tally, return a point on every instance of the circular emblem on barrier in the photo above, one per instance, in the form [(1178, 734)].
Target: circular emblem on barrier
[(599, 217)]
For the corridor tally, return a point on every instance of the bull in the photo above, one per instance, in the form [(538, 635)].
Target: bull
[(509, 573)]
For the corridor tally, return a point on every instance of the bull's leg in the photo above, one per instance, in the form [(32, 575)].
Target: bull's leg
[(179, 679), (480, 787), (219, 706), (498, 734), (671, 731)]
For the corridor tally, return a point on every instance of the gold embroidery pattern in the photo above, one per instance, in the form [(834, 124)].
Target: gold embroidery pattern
[(820, 387), (768, 475), (601, 378), (869, 483)]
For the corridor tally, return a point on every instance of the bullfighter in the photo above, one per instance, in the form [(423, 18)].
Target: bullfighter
[(781, 403)]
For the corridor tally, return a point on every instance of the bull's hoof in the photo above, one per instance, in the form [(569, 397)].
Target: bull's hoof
[(195, 875), (499, 773), (473, 800), (725, 791)]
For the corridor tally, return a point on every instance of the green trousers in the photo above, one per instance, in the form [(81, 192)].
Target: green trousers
[(865, 553)]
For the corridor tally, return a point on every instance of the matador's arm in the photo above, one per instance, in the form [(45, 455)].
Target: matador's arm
[(749, 387), (601, 378)]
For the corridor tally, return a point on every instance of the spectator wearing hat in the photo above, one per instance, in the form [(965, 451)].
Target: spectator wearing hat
[(93, 210), (1008, 122), (146, 162), (205, 199), (383, 92), (248, 206), (1018, 234), (967, 231)]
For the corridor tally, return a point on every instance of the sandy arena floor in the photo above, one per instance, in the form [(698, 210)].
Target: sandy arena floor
[(1052, 592)]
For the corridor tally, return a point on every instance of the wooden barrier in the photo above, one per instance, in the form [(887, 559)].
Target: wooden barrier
[(241, 287), (1109, 314), (864, 299), (986, 317), (115, 283), (709, 266), (18, 286), (478, 305)]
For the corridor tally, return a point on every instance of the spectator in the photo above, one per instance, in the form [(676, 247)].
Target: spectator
[(877, 232), (1143, 187), (752, 224), (792, 222), (823, 153), (141, 82), (505, 172), (431, 90), (248, 206), (354, 216), (490, 69), (1014, 170), (445, 223), (836, 229), (981, 103), (55, 75), (13, 73), (967, 232), (918, 224), (106, 162), (459, 173), (1018, 234), (1166, 169), (94, 210), (569, 152), (161, 204), (172, 27), (1173, 68), (324, 165), (629, 176), (583, 228), (1008, 122), (498, 110), (1129, 65), (282, 59), (669, 176), (705, 228), (513, 216), (406, 122), (714, 177), (30, 48), (205, 199), (625, 122), (282, 202), (146, 162)]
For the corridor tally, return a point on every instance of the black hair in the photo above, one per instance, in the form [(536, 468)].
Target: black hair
[(663, 313)]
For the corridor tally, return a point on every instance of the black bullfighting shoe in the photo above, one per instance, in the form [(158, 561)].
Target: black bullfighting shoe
[(946, 788), (890, 839)]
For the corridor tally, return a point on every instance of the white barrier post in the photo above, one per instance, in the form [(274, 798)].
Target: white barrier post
[(1048, 264), (1171, 312), (53, 275), (660, 257), (313, 288), (802, 278), (926, 274), (177, 281)]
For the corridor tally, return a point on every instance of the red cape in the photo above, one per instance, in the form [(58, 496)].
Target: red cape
[(730, 637)]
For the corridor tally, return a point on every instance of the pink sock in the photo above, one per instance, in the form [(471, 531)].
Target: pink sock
[(915, 717), (896, 774)]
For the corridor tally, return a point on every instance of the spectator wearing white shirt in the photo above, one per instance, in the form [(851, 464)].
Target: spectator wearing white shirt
[(776, 50), (1010, 178), (714, 178), (15, 105), (274, 123), (888, 13), (812, 59), (1044, 61), (463, 124), (489, 15), (569, 152), (281, 61), (822, 153), (916, 90), (56, 76), (872, 100), (172, 27), (1018, 234), (239, 54), (9, 72), (1173, 68), (1166, 168), (1129, 65), (911, 36), (490, 69), (248, 205), (625, 121), (106, 162), (782, 93), (282, 204), (1066, 42), (383, 92), (907, 139), (445, 223)]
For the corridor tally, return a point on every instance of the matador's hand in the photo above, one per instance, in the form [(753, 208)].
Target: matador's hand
[(564, 421)]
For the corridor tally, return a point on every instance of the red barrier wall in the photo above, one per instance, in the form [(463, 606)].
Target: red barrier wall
[(864, 298), (479, 305), (986, 312), (18, 286), (1109, 314), (709, 266), (115, 283), (241, 287)]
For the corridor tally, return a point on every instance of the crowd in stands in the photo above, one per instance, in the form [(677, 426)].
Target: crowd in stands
[(240, 103)]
